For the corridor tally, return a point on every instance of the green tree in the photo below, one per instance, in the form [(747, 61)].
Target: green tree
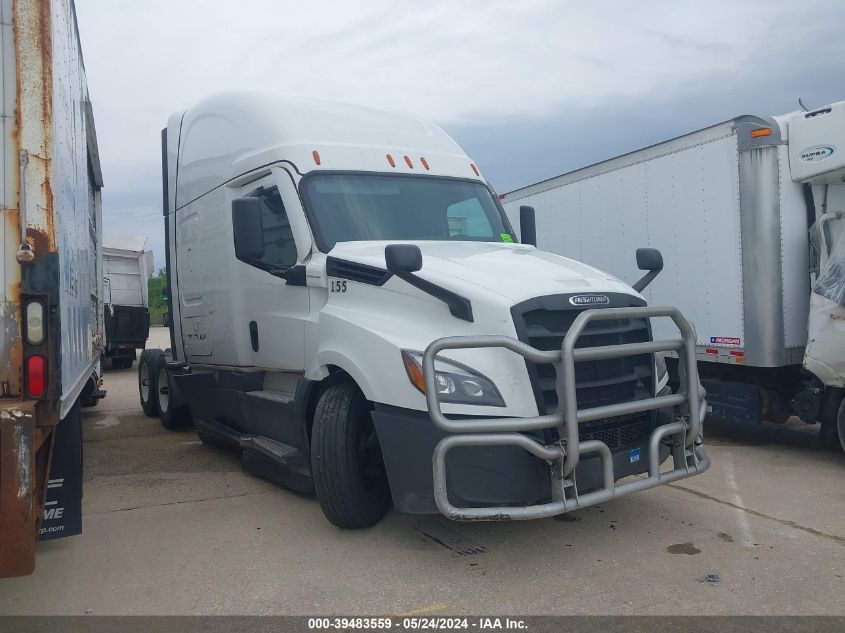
[(157, 287)]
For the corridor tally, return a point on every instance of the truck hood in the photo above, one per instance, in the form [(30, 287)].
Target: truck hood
[(514, 271)]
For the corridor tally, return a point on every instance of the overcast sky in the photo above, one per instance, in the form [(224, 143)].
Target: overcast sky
[(530, 88)]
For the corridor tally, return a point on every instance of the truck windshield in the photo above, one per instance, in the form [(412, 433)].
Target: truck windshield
[(360, 207)]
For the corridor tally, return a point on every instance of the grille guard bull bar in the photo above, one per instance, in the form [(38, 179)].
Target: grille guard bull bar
[(683, 435)]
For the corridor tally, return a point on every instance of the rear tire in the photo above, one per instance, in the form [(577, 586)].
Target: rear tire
[(147, 372), (832, 420), (346, 462), (172, 416)]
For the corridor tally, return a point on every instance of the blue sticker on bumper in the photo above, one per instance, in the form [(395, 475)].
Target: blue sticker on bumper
[(633, 455)]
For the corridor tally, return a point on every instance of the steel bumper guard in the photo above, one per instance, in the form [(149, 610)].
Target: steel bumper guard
[(683, 435)]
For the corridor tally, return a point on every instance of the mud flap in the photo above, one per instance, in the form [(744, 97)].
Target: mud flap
[(63, 502)]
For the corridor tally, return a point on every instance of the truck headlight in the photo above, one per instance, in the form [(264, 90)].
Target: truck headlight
[(660, 371), (455, 383)]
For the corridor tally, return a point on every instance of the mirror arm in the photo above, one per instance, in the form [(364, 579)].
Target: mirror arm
[(403, 260), (645, 280), (459, 306)]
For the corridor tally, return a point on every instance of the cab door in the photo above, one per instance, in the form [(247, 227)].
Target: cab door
[(275, 299)]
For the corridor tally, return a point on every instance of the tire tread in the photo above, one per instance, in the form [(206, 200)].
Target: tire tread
[(150, 357)]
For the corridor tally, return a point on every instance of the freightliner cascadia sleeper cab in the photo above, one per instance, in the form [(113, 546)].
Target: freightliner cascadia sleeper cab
[(351, 311)]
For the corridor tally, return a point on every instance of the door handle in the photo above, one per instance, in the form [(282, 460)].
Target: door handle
[(253, 335)]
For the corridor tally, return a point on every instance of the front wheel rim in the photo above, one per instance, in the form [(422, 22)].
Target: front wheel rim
[(163, 391)]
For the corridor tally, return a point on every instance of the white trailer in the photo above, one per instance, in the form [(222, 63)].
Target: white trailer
[(351, 313), (51, 301), (749, 213), (127, 267)]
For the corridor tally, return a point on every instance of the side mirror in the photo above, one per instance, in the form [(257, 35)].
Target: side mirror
[(248, 228), (527, 226), (402, 258), (649, 259)]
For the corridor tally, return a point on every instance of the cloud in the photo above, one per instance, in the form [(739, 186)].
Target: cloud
[(531, 87)]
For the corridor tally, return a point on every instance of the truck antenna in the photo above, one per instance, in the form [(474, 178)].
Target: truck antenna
[(803, 105)]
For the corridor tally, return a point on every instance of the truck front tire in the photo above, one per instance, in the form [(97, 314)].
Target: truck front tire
[(346, 462)]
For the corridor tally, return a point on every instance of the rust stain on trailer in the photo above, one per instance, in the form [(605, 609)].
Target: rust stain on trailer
[(21, 440), (47, 192), (38, 240), (21, 492), (34, 113), (45, 41), (26, 438), (13, 276)]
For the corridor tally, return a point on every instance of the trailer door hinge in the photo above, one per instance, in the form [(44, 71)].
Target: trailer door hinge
[(25, 254)]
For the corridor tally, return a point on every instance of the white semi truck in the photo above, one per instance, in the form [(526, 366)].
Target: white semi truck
[(52, 303), (127, 267), (752, 211), (351, 311)]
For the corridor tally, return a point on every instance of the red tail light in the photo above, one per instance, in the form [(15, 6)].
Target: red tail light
[(36, 376)]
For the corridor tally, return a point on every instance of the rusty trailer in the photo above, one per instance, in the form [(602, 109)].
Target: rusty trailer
[(51, 304)]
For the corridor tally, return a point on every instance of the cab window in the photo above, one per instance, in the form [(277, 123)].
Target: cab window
[(467, 219)]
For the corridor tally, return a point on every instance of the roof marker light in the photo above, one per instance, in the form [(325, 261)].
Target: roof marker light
[(763, 131), (475, 169), (316, 156), (391, 161), (424, 162), (408, 162)]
